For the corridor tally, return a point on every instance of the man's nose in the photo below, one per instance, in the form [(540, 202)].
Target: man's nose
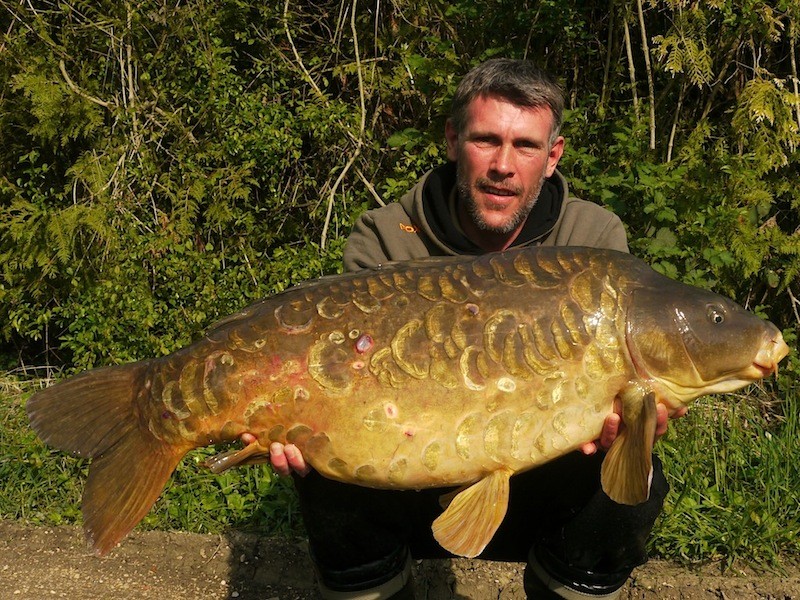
[(502, 161)]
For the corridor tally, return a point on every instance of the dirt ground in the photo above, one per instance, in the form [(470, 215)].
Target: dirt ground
[(38, 563)]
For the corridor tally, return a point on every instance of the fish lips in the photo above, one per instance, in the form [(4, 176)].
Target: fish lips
[(770, 355)]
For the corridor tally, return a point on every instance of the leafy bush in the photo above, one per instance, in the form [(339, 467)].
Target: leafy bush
[(44, 486), (163, 165)]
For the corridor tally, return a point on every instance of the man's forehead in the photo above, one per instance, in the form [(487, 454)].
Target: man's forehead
[(484, 108), (488, 98)]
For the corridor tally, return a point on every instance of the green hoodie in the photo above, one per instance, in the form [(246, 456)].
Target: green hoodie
[(423, 224)]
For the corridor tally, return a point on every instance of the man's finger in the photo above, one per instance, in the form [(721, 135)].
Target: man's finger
[(607, 436), (610, 431), (662, 419), (295, 459), (677, 414), (278, 460)]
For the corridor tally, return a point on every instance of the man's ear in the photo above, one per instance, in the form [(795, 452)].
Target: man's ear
[(556, 150), (451, 135)]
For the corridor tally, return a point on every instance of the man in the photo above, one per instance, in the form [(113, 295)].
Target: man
[(500, 190)]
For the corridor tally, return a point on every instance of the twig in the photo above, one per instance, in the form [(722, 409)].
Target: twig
[(793, 59), (607, 64), (216, 551), (247, 261), (795, 303), (362, 128), (9, 30), (360, 75), (332, 196), (649, 72), (79, 91), (370, 188), (296, 53), (534, 20), (675, 121), (631, 67)]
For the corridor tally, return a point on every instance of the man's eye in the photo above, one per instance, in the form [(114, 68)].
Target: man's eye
[(527, 146)]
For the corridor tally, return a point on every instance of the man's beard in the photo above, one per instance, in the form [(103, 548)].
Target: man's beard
[(465, 196)]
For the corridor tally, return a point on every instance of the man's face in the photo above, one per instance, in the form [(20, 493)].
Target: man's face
[(503, 155)]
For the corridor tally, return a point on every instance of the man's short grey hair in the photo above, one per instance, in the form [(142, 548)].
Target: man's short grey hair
[(519, 82)]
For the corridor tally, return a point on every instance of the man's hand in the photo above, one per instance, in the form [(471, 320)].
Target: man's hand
[(287, 459), (284, 459), (613, 421)]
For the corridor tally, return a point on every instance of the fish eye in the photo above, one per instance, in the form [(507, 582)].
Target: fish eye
[(716, 315)]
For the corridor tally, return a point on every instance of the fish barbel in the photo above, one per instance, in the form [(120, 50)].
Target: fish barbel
[(440, 372)]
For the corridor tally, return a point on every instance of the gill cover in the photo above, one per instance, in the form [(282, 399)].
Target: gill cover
[(694, 341)]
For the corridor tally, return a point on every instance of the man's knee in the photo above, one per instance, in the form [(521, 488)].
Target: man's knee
[(593, 554), (388, 577)]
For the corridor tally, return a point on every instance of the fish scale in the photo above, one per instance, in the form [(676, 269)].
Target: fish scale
[(416, 351), (433, 373)]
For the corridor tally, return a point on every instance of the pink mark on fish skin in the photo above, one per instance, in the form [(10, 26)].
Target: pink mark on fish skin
[(473, 309), (391, 411), (358, 365), (409, 433), (364, 343)]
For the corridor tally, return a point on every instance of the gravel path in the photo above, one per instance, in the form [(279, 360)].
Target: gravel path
[(38, 563)]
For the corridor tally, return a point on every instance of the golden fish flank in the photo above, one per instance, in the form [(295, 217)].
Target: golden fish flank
[(441, 372)]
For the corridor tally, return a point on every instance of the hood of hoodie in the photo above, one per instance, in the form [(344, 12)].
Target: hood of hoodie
[(429, 205)]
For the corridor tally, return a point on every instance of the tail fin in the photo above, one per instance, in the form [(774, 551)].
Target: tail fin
[(92, 415)]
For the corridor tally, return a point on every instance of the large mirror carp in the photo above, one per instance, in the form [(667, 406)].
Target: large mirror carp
[(443, 372)]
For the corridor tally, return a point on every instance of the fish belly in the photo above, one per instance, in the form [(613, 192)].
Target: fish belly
[(412, 377), (432, 449)]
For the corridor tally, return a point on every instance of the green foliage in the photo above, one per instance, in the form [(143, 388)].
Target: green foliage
[(251, 498), (150, 181), (40, 485), (43, 486), (163, 165), (685, 48), (765, 122), (734, 486)]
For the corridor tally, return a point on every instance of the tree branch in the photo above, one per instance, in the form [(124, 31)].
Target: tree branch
[(79, 91), (631, 67), (362, 126), (793, 59), (649, 71), (674, 128)]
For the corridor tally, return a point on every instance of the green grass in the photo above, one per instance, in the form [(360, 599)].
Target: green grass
[(38, 485), (43, 486), (733, 465)]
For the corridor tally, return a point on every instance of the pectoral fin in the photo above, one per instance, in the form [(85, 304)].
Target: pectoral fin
[(446, 499), (251, 454), (628, 467), (473, 515)]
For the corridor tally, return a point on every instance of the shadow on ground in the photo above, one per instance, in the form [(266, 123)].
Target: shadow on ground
[(54, 562), (269, 569)]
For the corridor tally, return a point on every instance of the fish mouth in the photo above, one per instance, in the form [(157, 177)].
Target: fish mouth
[(768, 357), (764, 363)]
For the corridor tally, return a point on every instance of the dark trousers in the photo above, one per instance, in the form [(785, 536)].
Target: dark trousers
[(558, 509)]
